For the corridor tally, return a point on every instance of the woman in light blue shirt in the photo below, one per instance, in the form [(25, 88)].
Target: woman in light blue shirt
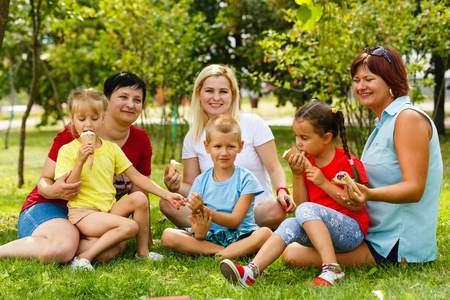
[(403, 163)]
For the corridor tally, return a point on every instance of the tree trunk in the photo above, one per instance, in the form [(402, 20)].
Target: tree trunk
[(4, 9), (55, 92), (36, 23), (439, 93)]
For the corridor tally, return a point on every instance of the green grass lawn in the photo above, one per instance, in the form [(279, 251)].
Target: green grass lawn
[(128, 278)]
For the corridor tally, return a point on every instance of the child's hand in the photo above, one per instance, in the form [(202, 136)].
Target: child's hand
[(84, 151), (172, 181), (296, 163), (200, 223), (315, 175), (195, 203), (176, 200)]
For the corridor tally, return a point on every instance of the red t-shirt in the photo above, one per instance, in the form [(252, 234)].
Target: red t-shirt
[(317, 195), (137, 148)]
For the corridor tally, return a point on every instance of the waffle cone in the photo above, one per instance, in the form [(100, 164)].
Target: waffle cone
[(87, 137), (174, 165)]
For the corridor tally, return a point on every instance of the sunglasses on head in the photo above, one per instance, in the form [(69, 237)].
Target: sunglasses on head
[(378, 51)]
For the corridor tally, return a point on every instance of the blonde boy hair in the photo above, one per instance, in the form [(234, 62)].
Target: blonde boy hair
[(224, 124), (96, 100), (199, 117)]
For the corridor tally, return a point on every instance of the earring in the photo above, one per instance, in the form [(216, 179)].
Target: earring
[(392, 94)]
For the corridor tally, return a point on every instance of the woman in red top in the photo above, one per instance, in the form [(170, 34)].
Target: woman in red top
[(45, 233)]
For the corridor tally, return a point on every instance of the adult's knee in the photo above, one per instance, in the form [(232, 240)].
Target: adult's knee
[(269, 214), (61, 249)]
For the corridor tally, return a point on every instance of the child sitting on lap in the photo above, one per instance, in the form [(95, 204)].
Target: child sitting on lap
[(94, 211), (222, 216)]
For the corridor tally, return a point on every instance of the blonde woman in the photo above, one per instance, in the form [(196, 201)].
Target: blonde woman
[(216, 92)]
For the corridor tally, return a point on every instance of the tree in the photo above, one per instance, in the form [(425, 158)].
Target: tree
[(35, 16), (314, 62), (4, 8)]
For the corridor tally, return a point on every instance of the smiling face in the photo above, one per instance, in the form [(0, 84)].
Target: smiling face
[(125, 105), (223, 148), (85, 119), (216, 96), (371, 90), (308, 140)]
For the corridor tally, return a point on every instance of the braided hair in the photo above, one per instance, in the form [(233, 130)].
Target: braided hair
[(324, 119)]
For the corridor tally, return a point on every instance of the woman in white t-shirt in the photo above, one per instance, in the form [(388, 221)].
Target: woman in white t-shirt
[(216, 92)]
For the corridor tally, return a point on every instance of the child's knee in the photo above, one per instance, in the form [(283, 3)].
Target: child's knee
[(139, 200), (168, 237), (263, 234), (130, 228)]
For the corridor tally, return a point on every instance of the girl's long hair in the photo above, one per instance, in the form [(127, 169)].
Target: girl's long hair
[(326, 119)]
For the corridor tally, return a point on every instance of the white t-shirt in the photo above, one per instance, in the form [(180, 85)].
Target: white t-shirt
[(255, 132)]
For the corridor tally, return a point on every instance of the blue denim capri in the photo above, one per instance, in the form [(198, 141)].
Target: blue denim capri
[(35, 215), (345, 231)]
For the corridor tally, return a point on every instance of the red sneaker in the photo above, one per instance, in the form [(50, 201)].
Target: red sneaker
[(237, 274)]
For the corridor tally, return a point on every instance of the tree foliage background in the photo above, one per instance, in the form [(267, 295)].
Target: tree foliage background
[(302, 49)]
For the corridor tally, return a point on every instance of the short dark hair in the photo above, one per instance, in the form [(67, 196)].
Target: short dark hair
[(124, 79), (393, 73)]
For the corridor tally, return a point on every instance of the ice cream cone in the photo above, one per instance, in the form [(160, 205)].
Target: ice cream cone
[(174, 165), (343, 178), (293, 151), (86, 137)]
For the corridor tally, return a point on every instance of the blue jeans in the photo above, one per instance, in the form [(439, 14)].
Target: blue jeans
[(345, 232), (35, 215)]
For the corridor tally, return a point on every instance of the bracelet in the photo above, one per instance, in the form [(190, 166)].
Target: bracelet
[(283, 188)]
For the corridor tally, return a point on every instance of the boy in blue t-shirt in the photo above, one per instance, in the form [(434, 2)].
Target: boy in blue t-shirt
[(221, 202)]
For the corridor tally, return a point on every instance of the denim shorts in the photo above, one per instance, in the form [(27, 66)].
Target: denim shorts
[(35, 215)]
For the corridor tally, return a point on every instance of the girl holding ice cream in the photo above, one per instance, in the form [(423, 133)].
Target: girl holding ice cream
[(94, 211)]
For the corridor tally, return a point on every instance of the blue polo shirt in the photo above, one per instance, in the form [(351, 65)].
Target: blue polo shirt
[(412, 224)]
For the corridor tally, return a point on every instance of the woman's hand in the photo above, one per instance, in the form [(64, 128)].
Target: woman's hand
[(286, 201), (350, 197), (172, 180), (63, 190)]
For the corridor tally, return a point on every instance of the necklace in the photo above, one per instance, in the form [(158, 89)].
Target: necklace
[(215, 177)]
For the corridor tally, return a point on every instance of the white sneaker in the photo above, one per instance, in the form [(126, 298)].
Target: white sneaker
[(81, 264), (151, 255)]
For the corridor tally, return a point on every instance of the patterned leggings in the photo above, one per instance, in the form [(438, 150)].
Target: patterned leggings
[(344, 230)]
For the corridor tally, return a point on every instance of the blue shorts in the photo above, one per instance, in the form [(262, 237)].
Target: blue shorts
[(35, 215), (225, 237)]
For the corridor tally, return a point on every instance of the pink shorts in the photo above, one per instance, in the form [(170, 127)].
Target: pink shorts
[(77, 213)]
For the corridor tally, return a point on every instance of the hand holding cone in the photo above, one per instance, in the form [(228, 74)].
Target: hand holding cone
[(174, 165), (343, 178), (294, 151), (86, 137)]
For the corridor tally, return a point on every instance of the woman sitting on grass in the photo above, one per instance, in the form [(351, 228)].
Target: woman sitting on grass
[(94, 211), (402, 158), (222, 201), (44, 230)]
